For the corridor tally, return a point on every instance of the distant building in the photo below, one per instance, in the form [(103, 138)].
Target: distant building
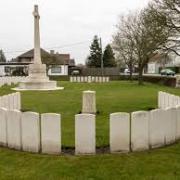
[(161, 61), (57, 64)]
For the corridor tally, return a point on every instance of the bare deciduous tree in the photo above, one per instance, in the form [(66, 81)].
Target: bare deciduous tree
[(123, 41), (170, 10), (145, 32)]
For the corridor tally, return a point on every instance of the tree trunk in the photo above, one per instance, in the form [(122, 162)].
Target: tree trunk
[(131, 73), (140, 78)]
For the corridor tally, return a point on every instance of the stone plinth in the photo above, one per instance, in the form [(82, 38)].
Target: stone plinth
[(89, 102), (37, 79)]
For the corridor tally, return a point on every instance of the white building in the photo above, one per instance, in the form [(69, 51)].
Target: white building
[(57, 64), (161, 61)]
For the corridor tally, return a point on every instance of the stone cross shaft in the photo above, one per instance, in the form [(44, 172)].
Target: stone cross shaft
[(37, 51)]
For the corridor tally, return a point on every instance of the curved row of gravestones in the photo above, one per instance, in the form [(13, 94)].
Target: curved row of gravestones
[(142, 130), (8, 80), (11, 101), (89, 79)]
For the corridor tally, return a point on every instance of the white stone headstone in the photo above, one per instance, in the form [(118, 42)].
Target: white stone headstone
[(71, 79), (170, 122), (30, 132), (51, 133), (93, 79), (166, 100), (11, 101), (85, 136), (86, 79), (6, 101), (3, 126), (140, 131), (160, 99), (178, 122), (156, 130), (14, 129), (89, 79), (120, 132), (18, 100), (89, 102), (1, 102), (78, 79)]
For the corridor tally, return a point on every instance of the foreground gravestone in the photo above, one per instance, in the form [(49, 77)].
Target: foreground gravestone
[(51, 133), (178, 122), (120, 132), (6, 101), (30, 132), (2, 102), (14, 129), (11, 101), (160, 99), (170, 122), (3, 126), (156, 128), (177, 81), (16, 101), (89, 102), (85, 138), (140, 131)]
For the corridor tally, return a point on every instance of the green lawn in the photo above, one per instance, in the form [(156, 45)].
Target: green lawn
[(111, 97), (162, 164)]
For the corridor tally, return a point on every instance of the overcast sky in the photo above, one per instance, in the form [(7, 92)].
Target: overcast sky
[(67, 26)]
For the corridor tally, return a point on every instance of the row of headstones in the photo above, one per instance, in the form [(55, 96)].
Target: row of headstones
[(144, 130), (11, 101), (9, 80), (138, 131), (166, 100), (89, 79)]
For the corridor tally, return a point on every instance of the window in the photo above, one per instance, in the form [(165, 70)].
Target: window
[(55, 69)]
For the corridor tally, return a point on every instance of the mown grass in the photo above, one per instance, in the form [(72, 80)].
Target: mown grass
[(161, 164)]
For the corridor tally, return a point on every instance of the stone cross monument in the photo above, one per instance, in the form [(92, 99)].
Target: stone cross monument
[(37, 79), (37, 52)]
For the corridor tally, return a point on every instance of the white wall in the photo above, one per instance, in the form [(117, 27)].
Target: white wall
[(153, 68)]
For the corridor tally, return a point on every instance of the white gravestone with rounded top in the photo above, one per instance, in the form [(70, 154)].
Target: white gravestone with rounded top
[(89, 102)]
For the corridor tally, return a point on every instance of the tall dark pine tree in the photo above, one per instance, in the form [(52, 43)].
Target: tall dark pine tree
[(2, 56), (108, 57), (94, 60)]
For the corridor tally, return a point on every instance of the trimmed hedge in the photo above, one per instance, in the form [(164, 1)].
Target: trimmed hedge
[(59, 78), (163, 80)]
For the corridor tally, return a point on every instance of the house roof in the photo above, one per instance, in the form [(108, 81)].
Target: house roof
[(30, 54), (157, 57), (48, 58)]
